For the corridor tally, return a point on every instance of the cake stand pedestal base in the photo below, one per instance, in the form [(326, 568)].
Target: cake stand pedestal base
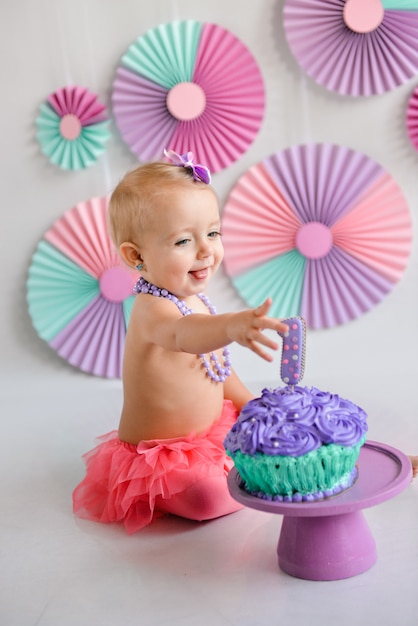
[(326, 548), (330, 539)]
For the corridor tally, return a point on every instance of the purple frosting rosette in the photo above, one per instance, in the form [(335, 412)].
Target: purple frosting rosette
[(294, 421)]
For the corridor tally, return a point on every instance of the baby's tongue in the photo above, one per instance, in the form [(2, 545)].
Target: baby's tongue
[(200, 274)]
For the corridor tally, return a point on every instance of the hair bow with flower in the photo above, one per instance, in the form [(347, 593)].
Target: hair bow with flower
[(201, 173)]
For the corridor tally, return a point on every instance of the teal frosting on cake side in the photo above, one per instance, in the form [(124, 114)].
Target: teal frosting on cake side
[(316, 471)]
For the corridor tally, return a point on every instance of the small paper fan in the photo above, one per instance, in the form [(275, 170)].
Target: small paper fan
[(353, 47), (72, 128), (192, 86), (412, 118), (80, 293), (321, 229)]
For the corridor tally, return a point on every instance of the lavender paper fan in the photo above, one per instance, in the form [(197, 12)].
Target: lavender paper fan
[(186, 86), (353, 47), (320, 228), (79, 292)]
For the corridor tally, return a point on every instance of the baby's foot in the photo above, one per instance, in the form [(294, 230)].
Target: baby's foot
[(414, 462)]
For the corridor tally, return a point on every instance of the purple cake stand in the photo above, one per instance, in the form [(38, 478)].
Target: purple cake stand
[(330, 539)]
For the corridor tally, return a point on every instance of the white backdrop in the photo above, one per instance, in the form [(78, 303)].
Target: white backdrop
[(47, 44)]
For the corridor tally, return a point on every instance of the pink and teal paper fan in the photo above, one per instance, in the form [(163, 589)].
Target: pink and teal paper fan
[(72, 128), (322, 229), (412, 118), (354, 47), (79, 292), (189, 86)]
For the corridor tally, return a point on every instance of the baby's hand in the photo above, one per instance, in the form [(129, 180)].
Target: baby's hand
[(246, 328)]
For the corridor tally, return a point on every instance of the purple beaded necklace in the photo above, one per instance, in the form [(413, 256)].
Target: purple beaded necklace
[(216, 371)]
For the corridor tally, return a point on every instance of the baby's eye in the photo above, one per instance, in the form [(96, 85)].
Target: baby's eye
[(182, 242), (214, 233)]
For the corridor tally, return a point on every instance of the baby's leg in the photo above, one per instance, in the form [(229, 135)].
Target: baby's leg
[(205, 499), (414, 462)]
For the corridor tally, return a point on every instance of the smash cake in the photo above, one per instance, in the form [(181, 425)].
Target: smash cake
[(294, 443)]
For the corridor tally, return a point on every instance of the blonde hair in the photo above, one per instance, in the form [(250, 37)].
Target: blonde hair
[(133, 199)]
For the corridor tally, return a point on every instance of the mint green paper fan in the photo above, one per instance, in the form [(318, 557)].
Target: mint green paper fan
[(48, 121), (166, 54), (91, 141), (79, 291), (72, 128), (399, 5), (57, 290), (188, 86), (281, 278), (71, 155)]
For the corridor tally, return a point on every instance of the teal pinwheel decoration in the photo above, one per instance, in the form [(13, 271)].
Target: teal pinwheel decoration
[(79, 291), (72, 128), (192, 86)]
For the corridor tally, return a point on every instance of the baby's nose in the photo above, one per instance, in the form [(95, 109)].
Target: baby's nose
[(205, 249)]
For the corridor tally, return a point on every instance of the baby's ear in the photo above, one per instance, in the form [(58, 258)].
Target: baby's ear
[(130, 253)]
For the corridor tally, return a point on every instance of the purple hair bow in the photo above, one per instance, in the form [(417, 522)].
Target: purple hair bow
[(201, 173)]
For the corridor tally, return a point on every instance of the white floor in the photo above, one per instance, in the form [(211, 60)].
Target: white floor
[(58, 571)]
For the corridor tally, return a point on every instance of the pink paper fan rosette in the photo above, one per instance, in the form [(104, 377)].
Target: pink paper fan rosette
[(412, 118), (354, 47), (322, 229), (72, 128), (189, 86), (79, 292)]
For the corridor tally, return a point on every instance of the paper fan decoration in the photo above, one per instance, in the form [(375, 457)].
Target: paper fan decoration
[(79, 292), (354, 47), (412, 118), (72, 128), (186, 85), (323, 230)]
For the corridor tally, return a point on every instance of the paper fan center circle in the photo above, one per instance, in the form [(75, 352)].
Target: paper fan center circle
[(70, 127), (314, 240), (186, 101), (363, 17), (115, 284)]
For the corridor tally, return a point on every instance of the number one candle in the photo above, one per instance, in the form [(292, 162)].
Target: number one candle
[(293, 351)]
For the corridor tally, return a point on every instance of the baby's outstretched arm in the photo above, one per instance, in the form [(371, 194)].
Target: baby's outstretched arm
[(201, 333)]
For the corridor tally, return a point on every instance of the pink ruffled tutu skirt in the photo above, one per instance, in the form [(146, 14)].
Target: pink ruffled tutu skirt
[(134, 484)]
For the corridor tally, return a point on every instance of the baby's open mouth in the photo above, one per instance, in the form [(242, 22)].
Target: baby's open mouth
[(200, 274)]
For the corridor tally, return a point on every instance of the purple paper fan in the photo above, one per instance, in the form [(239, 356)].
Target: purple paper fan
[(189, 86), (141, 114), (94, 340), (80, 293), (355, 49), (322, 229)]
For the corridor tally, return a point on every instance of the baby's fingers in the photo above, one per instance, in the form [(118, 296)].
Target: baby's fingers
[(255, 347), (264, 308), (260, 340), (271, 323)]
